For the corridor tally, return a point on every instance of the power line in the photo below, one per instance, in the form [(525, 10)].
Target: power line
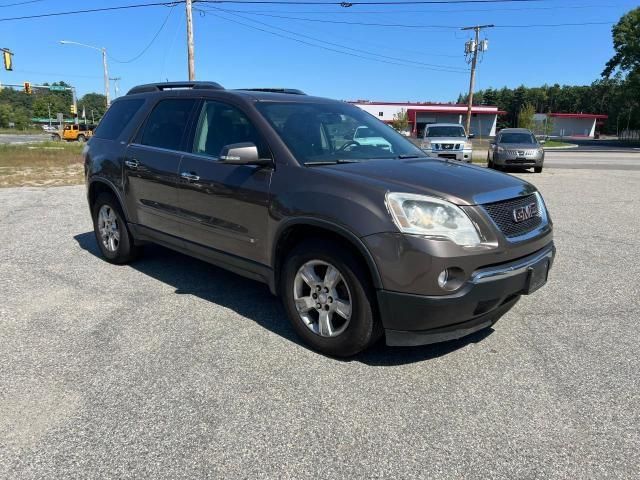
[(329, 48), (350, 4), (438, 66), (500, 9), (144, 50), (20, 3), (92, 10), (438, 26)]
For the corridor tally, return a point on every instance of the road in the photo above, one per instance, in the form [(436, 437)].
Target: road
[(171, 368), (17, 139), (594, 155)]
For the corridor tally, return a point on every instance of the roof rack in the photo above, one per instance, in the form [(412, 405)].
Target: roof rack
[(159, 87), (291, 91)]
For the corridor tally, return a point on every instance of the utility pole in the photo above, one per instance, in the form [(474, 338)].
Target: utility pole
[(106, 76), (116, 88), (192, 66), (471, 48)]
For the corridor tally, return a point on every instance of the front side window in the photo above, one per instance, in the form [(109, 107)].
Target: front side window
[(220, 125), (167, 123), (331, 132)]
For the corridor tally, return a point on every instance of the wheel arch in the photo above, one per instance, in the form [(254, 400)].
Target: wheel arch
[(102, 185), (294, 231)]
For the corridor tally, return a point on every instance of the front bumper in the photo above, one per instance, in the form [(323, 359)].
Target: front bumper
[(460, 155), (511, 160), (489, 293)]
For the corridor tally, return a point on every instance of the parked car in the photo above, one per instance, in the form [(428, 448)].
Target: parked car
[(74, 133), (447, 140), (49, 128), (516, 147), (366, 136), (360, 241)]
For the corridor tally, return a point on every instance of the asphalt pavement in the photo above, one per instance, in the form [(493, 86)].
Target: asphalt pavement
[(172, 368), (18, 139)]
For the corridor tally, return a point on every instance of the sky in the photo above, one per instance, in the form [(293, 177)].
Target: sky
[(422, 60)]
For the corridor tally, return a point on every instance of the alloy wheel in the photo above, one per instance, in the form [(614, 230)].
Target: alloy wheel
[(322, 298), (109, 228)]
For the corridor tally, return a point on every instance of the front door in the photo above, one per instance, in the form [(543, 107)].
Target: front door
[(151, 166), (224, 206)]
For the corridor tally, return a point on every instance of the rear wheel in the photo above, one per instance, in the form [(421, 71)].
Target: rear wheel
[(112, 234), (329, 299), (55, 137)]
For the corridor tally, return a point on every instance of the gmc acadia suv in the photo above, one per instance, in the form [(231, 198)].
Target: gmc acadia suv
[(359, 240)]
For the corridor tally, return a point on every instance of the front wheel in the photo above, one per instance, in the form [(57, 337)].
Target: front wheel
[(82, 138), (113, 236), (537, 169), (329, 299)]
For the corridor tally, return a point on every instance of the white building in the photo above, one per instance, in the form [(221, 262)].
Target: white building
[(570, 124), (483, 117)]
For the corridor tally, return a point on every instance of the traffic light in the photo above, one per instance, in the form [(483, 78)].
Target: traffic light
[(74, 110), (8, 59), (27, 88)]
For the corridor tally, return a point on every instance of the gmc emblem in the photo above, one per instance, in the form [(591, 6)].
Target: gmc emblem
[(521, 214)]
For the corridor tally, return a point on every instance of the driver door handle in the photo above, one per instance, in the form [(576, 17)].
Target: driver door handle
[(133, 164), (192, 177)]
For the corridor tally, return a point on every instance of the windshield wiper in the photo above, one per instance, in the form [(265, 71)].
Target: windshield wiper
[(332, 162)]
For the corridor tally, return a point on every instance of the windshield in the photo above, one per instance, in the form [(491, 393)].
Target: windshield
[(445, 131), (333, 132), (517, 137)]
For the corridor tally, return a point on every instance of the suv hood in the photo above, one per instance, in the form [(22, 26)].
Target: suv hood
[(456, 182)]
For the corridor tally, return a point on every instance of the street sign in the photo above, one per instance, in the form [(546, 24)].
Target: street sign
[(60, 118), (57, 88)]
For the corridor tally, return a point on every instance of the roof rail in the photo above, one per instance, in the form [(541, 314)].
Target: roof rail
[(291, 91), (159, 87)]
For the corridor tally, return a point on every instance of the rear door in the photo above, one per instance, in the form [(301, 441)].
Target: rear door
[(151, 166), (224, 206)]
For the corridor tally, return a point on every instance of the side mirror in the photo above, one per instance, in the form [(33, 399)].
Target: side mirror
[(471, 135), (242, 154)]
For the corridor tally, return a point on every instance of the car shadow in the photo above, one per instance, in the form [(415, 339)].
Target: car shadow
[(190, 276)]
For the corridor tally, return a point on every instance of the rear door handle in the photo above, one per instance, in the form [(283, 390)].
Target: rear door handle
[(192, 177), (132, 164)]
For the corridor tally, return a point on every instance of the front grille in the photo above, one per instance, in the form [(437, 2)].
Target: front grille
[(502, 214), (521, 153)]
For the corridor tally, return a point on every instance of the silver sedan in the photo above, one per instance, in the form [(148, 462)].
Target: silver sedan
[(516, 147)]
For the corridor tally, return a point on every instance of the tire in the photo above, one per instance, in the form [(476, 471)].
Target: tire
[(82, 138), (55, 137), (537, 169), (489, 162), (118, 251), (345, 337)]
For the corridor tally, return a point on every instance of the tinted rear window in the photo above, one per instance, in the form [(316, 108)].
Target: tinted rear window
[(117, 118), (167, 123)]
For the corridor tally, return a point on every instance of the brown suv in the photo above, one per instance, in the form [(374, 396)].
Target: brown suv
[(360, 240)]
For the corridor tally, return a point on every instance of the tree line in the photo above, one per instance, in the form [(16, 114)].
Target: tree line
[(18, 108)]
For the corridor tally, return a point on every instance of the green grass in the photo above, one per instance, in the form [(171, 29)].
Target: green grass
[(42, 164)]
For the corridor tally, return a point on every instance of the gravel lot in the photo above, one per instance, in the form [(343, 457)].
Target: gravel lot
[(171, 368)]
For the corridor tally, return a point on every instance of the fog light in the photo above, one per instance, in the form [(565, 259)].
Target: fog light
[(443, 277), (451, 278)]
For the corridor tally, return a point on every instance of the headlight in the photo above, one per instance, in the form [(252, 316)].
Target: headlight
[(431, 217), (468, 145), (426, 144), (500, 149)]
